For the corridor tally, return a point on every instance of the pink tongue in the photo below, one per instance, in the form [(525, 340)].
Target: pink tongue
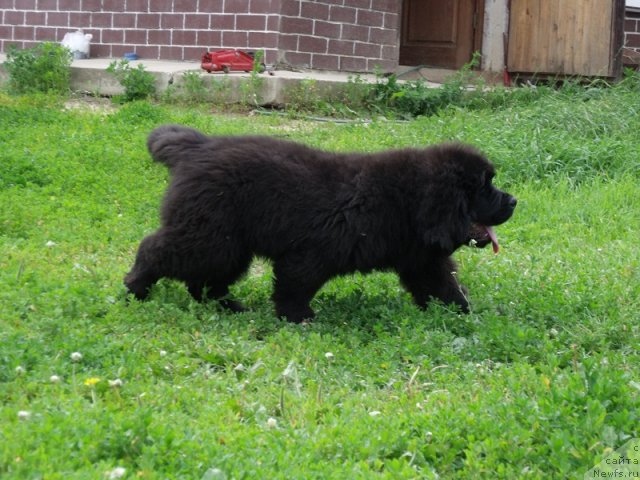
[(494, 239)]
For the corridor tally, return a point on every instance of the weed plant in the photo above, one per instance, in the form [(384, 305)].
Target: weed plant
[(137, 82), (44, 68), (540, 380)]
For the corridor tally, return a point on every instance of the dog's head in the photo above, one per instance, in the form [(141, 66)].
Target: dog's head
[(461, 205)]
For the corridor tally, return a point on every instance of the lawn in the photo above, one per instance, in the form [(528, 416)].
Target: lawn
[(540, 380)]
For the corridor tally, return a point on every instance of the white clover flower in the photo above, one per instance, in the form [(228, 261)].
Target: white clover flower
[(117, 383), (374, 413), (163, 353), (20, 370), (272, 422), (239, 368), (116, 473), (329, 356), (24, 415), (54, 379), (50, 244), (76, 356)]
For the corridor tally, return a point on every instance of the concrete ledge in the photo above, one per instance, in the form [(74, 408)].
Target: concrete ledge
[(90, 75)]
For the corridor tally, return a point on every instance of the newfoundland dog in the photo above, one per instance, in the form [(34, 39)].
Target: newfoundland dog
[(315, 215)]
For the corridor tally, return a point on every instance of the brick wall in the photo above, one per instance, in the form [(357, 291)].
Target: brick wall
[(632, 30), (348, 35)]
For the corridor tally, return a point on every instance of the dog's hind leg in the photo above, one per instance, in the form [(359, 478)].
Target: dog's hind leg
[(436, 280), (296, 282), (215, 285), (201, 292)]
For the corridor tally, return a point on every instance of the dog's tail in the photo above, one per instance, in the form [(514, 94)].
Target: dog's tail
[(170, 144)]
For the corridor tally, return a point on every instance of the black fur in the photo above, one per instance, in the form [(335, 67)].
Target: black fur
[(315, 214)]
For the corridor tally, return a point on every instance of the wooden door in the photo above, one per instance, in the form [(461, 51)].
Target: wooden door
[(440, 33), (570, 37)]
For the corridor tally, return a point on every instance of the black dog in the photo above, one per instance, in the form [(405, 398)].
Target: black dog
[(316, 215)]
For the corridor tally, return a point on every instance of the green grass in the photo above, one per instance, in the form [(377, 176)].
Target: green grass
[(539, 381)]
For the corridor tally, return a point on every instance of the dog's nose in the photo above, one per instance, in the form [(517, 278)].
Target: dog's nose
[(513, 201)]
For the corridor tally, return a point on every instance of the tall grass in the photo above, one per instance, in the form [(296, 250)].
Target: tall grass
[(539, 381)]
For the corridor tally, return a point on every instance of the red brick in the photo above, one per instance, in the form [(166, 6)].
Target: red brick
[(223, 22), (68, 5), (24, 33), (630, 25), (132, 37), (45, 4), (159, 37), (112, 36), (100, 19), (633, 40), (355, 32), (325, 62), (298, 59), (251, 22), (183, 37), (171, 53), (340, 47), (236, 6), (186, 6), (209, 38), (319, 11), (102, 51), (371, 19), (326, 29), (273, 23), (383, 36), (6, 31), (118, 51), (6, 4), (381, 65), (113, 6), (14, 18), (288, 42), (160, 5), (210, 6), (46, 34), (296, 25), (290, 8), (193, 53), (262, 6), (342, 14), (148, 20), (125, 20), (391, 21), (366, 4), (390, 52), (137, 5), (88, 5), (172, 20), (147, 51), (235, 39), (392, 6), (367, 50), (311, 44), (353, 64), (196, 21), (263, 40), (58, 19), (35, 18)]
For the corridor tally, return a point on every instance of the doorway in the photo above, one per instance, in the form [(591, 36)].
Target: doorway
[(440, 34)]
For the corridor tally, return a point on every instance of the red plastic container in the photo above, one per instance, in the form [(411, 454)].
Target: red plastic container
[(229, 61)]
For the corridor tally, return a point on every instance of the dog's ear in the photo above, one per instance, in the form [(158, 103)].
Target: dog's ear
[(443, 218)]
